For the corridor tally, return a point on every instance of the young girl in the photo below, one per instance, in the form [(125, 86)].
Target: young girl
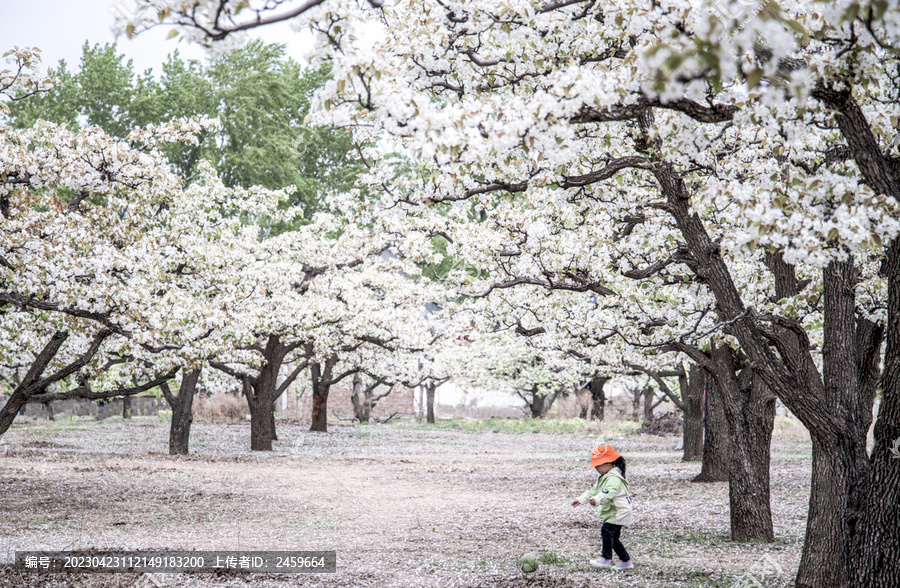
[(613, 505)]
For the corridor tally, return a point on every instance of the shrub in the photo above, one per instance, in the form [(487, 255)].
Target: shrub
[(220, 408)]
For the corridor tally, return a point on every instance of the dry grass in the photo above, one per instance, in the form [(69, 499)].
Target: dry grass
[(220, 408), (618, 407), (789, 429)]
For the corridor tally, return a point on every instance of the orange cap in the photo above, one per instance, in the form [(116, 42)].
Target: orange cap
[(603, 454)]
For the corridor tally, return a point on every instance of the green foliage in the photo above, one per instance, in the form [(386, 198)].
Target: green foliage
[(260, 96), (551, 558), (628, 427), (59, 104)]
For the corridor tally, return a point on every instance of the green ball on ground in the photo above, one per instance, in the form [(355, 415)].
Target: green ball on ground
[(528, 563)]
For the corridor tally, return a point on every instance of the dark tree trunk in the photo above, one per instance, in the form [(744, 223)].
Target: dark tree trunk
[(539, 404), (29, 385), (875, 549), (430, 387), (827, 403), (321, 377), (749, 413), (874, 497), (319, 411), (49, 406), (820, 561), (840, 462), (536, 405), (261, 393), (598, 398), (260, 426), (692, 400), (126, 407), (636, 404), (361, 398), (716, 443), (182, 412), (649, 395), (262, 390), (751, 513), (14, 404)]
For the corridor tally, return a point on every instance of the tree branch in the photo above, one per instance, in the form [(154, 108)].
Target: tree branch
[(663, 387), (85, 392), (70, 369), (291, 377), (231, 371)]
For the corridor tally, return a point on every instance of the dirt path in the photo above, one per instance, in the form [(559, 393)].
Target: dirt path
[(401, 504)]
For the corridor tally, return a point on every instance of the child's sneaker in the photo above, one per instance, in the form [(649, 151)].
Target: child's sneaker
[(624, 565), (601, 562)]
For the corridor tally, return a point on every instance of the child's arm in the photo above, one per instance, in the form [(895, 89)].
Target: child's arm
[(587, 495), (611, 488)]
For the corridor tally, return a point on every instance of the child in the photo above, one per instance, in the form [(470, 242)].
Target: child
[(613, 505)]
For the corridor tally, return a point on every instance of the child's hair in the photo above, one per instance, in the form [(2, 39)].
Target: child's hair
[(620, 463)]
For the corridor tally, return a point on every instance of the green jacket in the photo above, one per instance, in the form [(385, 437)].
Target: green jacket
[(612, 498)]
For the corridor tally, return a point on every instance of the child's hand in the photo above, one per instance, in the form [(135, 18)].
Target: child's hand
[(592, 501), (575, 503)]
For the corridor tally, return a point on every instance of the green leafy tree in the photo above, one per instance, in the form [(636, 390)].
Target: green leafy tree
[(259, 94), (58, 104)]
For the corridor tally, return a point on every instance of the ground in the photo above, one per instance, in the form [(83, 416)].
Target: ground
[(402, 504)]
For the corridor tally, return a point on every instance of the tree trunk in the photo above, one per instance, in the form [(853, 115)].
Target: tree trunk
[(692, 398), (840, 463), (182, 412), (716, 443), (749, 413), (636, 404), (598, 397), (751, 513), (648, 404), (261, 393), (320, 405), (536, 405), (361, 398), (126, 407), (430, 388), (10, 410), (875, 549), (27, 388), (321, 377)]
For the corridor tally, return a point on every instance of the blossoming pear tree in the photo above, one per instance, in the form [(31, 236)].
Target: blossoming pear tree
[(94, 252), (109, 281), (326, 298), (767, 143), (518, 98)]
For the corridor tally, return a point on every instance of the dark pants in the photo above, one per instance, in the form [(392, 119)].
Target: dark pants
[(610, 535)]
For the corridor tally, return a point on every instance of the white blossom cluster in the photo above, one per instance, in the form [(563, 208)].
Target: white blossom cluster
[(99, 235), (538, 131), (512, 110)]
